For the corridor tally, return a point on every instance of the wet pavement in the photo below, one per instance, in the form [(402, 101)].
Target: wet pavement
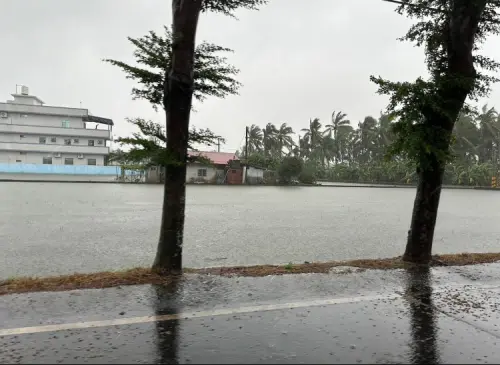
[(57, 228), (447, 315)]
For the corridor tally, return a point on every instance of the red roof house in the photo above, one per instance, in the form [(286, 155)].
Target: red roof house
[(218, 158)]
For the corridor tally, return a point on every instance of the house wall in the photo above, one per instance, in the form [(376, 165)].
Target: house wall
[(18, 168), (193, 175), (15, 157), (235, 176), (43, 120), (59, 140)]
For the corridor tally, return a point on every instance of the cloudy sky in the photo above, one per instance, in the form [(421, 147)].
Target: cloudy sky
[(299, 59)]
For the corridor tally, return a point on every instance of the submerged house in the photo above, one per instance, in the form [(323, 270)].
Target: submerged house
[(218, 168), (212, 168)]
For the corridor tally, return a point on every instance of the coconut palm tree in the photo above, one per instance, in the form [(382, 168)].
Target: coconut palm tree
[(269, 138), (489, 132), (313, 134), (255, 137), (467, 140), (338, 123), (283, 137)]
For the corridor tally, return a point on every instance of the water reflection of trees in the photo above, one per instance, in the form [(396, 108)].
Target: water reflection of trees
[(423, 319), (167, 332)]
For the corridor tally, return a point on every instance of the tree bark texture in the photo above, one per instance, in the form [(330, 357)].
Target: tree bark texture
[(460, 34), (177, 99)]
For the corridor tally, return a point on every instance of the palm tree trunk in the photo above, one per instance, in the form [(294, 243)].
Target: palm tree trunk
[(177, 98)]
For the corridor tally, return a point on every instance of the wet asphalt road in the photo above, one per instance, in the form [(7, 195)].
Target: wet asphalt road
[(57, 228), (449, 315)]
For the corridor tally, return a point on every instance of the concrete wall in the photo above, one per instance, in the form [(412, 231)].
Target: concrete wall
[(20, 118), (15, 157), (59, 177), (254, 175), (13, 108), (19, 168), (59, 140)]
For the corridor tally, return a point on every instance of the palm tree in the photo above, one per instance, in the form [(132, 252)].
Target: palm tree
[(467, 140), (269, 138), (283, 137), (367, 138), (255, 137), (384, 135), (338, 123), (489, 131), (313, 134)]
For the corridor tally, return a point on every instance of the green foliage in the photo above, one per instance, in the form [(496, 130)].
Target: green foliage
[(361, 154), (414, 105), (308, 174), (213, 76), (148, 145), (259, 159), (227, 7), (290, 168)]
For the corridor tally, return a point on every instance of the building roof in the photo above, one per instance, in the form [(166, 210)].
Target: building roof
[(26, 96), (218, 158)]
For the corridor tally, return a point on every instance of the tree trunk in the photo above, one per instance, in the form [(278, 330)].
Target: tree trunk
[(421, 234), (177, 98), (452, 90)]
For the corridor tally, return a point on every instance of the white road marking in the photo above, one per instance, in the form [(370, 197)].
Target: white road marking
[(231, 311), (190, 315)]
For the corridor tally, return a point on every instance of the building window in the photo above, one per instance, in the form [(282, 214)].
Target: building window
[(76, 140), (19, 161), (47, 161), (53, 139), (91, 142), (100, 141), (24, 115), (42, 140), (21, 136), (91, 161), (202, 172), (68, 161), (67, 141), (22, 153), (65, 123)]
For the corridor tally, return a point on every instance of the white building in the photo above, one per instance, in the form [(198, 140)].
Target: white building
[(33, 133)]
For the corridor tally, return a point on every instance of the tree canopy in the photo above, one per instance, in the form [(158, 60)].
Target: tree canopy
[(412, 102), (213, 75), (360, 152), (148, 146)]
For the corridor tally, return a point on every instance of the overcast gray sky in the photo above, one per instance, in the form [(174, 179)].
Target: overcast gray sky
[(299, 59)]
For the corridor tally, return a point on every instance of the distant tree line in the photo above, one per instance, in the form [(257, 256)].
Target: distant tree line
[(343, 152)]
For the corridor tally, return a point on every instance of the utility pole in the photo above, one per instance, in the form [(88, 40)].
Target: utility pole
[(246, 143), (246, 157), (218, 144)]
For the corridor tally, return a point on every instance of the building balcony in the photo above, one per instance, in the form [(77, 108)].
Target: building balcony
[(51, 148), (55, 131)]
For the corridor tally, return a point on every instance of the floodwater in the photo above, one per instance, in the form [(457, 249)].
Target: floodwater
[(55, 228)]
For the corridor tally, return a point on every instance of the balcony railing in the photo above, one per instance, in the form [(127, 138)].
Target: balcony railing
[(51, 148), (55, 131)]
